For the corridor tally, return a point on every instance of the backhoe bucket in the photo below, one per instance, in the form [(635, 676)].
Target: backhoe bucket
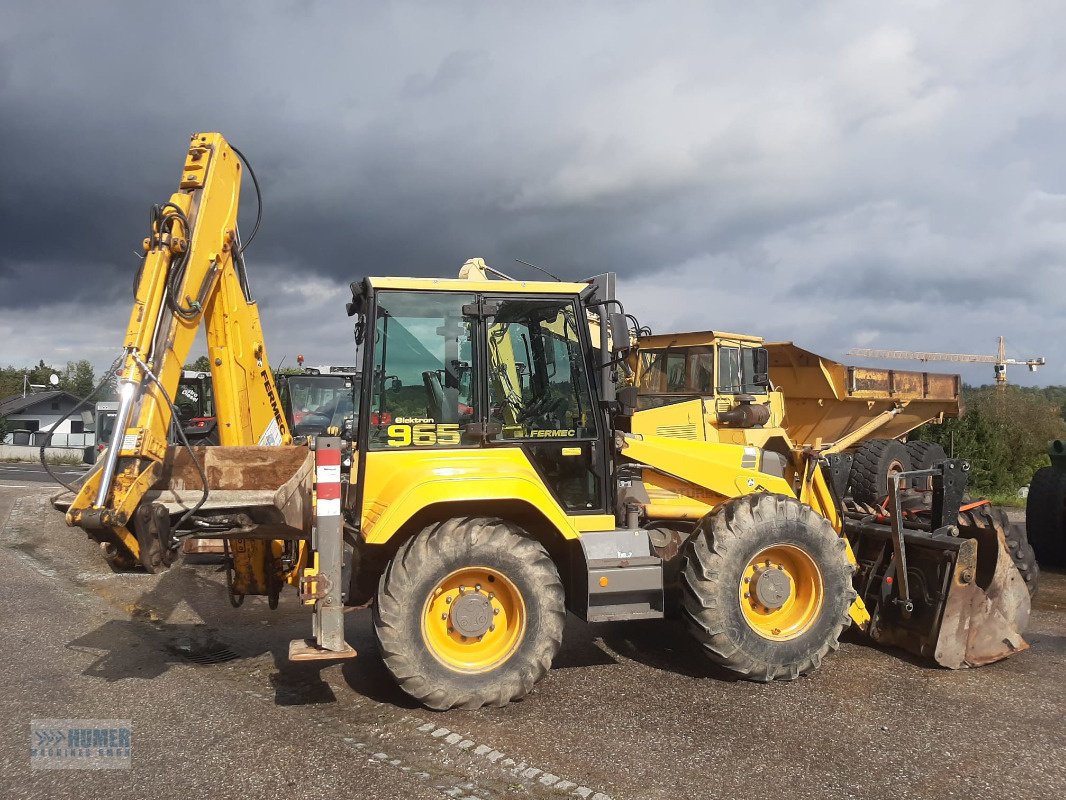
[(959, 599), (264, 490)]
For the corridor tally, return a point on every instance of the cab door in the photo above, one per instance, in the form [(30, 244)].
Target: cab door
[(538, 395)]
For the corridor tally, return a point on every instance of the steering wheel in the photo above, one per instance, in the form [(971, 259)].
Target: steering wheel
[(541, 409)]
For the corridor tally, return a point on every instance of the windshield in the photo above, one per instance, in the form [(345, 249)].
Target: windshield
[(318, 402), (194, 398), (691, 372), (423, 390)]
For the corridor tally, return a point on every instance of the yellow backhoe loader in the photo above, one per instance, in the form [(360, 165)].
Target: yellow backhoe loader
[(496, 479)]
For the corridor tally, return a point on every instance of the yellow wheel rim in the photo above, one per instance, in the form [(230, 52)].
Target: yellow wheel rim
[(473, 619), (781, 592)]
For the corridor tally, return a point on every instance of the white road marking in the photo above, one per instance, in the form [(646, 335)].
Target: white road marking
[(519, 769), (14, 485)]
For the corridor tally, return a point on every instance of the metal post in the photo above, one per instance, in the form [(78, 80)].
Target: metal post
[(899, 547), (327, 541)]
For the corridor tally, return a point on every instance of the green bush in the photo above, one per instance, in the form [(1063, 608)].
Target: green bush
[(1004, 433)]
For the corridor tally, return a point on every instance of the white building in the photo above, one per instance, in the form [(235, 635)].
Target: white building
[(28, 415)]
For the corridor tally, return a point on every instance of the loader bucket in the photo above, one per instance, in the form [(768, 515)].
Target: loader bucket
[(970, 604), (269, 486)]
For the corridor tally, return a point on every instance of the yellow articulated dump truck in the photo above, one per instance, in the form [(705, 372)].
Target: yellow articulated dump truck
[(728, 387), (495, 477)]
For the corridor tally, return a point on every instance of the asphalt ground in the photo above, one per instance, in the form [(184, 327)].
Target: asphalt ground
[(628, 710), (26, 472)]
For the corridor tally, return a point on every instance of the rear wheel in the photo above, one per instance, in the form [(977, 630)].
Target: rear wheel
[(925, 454), (766, 587), (470, 612), (1014, 538), (1045, 516), (875, 461)]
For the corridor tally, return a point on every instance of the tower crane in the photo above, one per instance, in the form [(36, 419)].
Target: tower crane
[(999, 361)]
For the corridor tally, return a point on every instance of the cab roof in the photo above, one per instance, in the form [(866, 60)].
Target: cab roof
[(463, 285)]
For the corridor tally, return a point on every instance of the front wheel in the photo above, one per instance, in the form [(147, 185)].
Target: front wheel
[(470, 612), (766, 587)]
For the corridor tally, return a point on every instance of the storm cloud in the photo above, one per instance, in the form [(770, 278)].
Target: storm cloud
[(881, 175)]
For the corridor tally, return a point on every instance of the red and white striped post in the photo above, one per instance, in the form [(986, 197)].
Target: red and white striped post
[(327, 541)]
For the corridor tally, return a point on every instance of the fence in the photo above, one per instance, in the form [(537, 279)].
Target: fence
[(74, 441)]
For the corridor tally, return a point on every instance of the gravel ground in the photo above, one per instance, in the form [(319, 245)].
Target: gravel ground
[(629, 710)]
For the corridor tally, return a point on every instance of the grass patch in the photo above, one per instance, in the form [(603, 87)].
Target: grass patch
[(72, 460), (1010, 499)]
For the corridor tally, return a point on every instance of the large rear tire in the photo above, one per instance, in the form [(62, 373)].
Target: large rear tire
[(1045, 516), (779, 629), (874, 462), (925, 454), (1014, 537), (470, 612)]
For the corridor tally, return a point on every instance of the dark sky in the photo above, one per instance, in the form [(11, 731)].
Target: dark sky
[(879, 175)]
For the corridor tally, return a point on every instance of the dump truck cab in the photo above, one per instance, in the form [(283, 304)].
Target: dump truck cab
[(707, 386)]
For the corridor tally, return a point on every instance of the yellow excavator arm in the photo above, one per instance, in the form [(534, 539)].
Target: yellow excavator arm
[(192, 274)]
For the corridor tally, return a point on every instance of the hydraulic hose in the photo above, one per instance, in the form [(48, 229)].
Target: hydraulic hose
[(185, 441), (81, 402)]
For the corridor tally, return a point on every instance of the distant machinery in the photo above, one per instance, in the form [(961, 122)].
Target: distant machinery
[(999, 361)]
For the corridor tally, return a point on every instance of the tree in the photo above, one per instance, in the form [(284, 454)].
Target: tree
[(1004, 434), (4, 429), (78, 378), (202, 364)]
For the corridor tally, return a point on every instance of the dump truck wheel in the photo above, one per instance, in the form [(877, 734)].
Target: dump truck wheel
[(1045, 516), (1014, 536), (1021, 553), (925, 454), (470, 612), (874, 462), (766, 587)]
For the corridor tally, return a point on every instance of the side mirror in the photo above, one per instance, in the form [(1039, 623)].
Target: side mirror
[(627, 399), (395, 384), (761, 367), (357, 305), (619, 327)]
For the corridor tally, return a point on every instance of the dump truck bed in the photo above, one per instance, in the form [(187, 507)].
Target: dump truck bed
[(826, 400)]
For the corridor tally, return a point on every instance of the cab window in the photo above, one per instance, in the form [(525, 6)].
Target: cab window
[(423, 392), (736, 371), (320, 402), (538, 382)]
